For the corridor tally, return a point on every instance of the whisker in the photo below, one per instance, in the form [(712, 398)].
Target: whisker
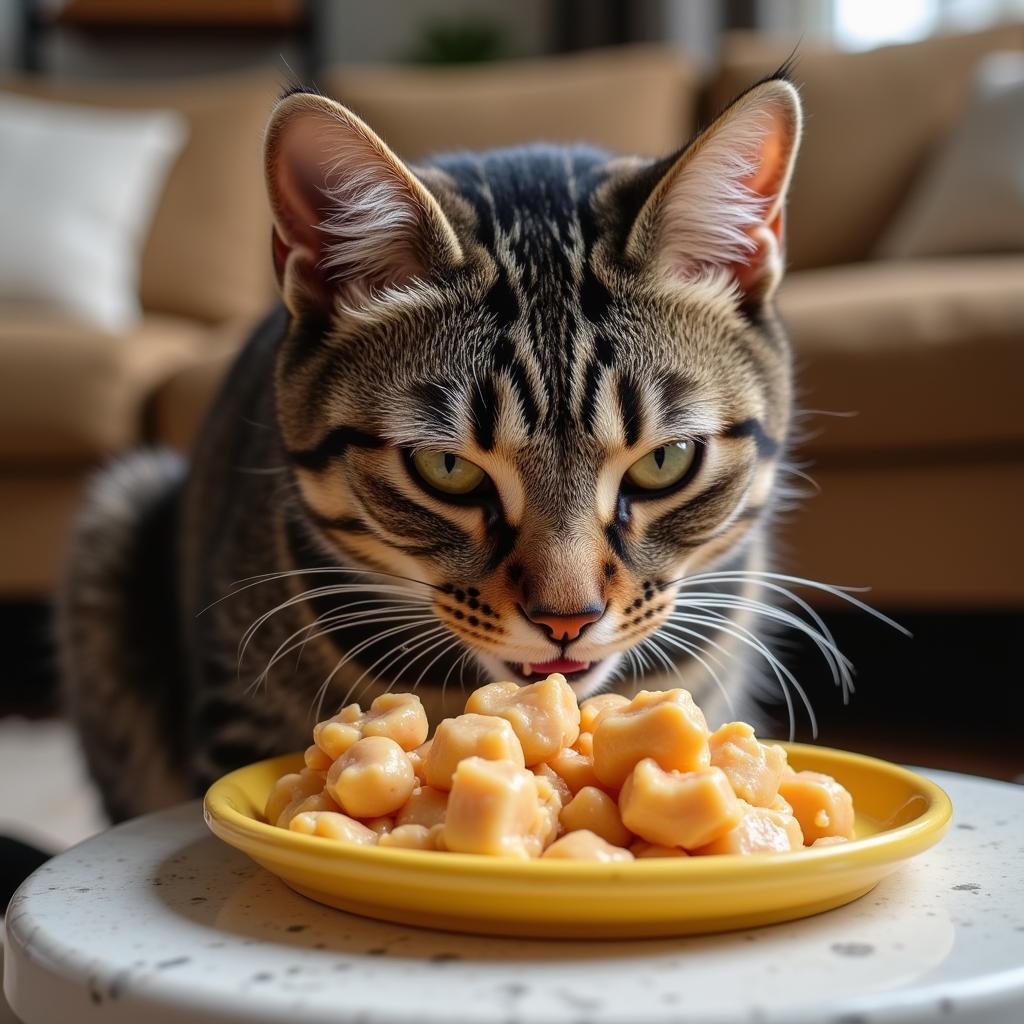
[(348, 656), (782, 673), (285, 648), (317, 592), (255, 581), (695, 652), (839, 665), (753, 575)]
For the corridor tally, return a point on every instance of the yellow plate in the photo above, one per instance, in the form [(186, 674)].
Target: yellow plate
[(899, 814)]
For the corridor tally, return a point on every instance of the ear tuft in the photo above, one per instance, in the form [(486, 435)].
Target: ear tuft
[(350, 218), (720, 205)]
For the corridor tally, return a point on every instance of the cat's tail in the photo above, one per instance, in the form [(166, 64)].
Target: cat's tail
[(118, 636)]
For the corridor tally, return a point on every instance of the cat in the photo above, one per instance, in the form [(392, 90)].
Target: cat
[(520, 411)]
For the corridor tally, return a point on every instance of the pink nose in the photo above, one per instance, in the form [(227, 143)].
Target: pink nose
[(564, 628)]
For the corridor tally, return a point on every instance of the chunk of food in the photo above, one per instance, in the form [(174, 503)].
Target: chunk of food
[(407, 837), (396, 716), (754, 769), (425, 806), (469, 735), (575, 768), (584, 845), (546, 824), (289, 791), (331, 825), (593, 810), (319, 802), (316, 760), (492, 809), (760, 830), (670, 808), (585, 745), (830, 841), (641, 849), (544, 715), (560, 786), (418, 759), (821, 805), (374, 777), (593, 707), (665, 726)]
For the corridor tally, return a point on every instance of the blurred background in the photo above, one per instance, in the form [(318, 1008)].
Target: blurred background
[(134, 258)]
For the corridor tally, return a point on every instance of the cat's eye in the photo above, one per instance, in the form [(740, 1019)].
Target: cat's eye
[(665, 466), (447, 472)]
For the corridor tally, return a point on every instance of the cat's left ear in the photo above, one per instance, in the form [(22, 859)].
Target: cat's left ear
[(349, 217), (720, 204)]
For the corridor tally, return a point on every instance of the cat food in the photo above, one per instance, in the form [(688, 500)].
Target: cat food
[(372, 778), (527, 772)]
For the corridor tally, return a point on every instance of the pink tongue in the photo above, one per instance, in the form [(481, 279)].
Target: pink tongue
[(559, 665)]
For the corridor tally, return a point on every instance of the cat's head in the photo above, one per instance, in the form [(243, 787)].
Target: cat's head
[(548, 381)]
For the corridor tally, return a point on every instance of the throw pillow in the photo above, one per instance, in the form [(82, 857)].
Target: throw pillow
[(78, 188)]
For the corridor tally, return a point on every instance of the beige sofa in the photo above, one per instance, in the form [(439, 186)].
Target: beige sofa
[(920, 492)]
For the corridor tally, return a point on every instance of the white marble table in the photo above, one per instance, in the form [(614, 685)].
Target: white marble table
[(158, 922)]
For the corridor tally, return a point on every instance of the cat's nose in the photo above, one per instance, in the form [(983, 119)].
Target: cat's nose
[(563, 627)]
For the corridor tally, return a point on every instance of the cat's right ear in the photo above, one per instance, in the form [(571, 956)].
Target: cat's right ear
[(350, 218)]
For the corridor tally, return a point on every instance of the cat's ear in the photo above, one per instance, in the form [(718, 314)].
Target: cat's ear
[(349, 217), (720, 204)]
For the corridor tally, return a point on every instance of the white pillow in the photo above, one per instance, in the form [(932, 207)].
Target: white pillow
[(970, 198), (78, 188)]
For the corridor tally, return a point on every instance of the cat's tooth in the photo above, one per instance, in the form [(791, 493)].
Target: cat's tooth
[(527, 669)]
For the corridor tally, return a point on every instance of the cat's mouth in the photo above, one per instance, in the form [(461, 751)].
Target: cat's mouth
[(569, 668)]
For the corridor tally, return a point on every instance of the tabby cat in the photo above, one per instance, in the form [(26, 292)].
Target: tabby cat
[(521, 411)]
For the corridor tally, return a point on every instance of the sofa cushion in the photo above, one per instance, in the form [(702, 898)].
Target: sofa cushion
[(70, 393), (630, 100), (873, 119), (208, 251), (928, 353)]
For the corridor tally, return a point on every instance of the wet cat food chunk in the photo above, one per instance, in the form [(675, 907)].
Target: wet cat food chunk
[(821, 805), (316, 760), (670, 808), (575, 768), (546, 824), (374, 777), (760, 830), (584, 845), (830, 841), (584, 745), (595, 811), (425, 806), (492, 809), (407, 837), (560, 786), (664, 725), (470, 735), (331, 825), (753, 769), (289, 791), (593, 707), (642, 850), (396, 716), (418, 757), (544, 715), (319, 802)]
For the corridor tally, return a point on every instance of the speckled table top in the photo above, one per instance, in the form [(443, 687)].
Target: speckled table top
[(157, 921)]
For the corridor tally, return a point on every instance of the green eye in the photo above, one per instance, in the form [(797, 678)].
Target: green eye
[(447, 472), (663, 467)]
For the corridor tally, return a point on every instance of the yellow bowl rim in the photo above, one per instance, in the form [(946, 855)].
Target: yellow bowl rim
[(885, 846)]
